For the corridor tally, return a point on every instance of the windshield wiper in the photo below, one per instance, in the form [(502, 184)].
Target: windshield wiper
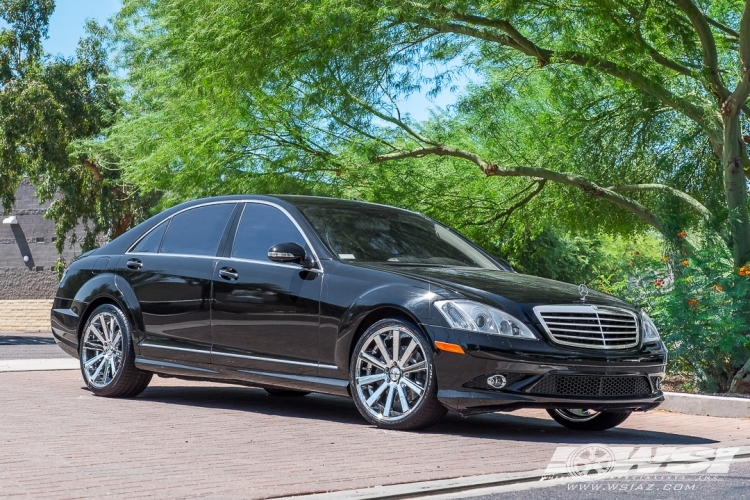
[(414, 264)]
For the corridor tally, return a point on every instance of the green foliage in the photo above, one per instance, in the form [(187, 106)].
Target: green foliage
[(302, 97), (45, 106), (700, 306)]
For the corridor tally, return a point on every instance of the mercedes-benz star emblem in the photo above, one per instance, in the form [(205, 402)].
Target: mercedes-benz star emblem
[(584, 291)]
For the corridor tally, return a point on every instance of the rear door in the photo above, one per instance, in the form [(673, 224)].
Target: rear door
[(265, 314), (170, 270)]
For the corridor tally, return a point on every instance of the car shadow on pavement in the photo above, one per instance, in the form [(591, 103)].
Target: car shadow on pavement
[(495, 426), (533, 429), (25, 340)]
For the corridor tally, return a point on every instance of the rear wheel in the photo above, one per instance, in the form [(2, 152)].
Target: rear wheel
[(107, 355), (392, 376), (588, 420), (285, 392)]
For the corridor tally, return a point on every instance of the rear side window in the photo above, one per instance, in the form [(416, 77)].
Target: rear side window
[(150, 244), (198, 230), (261, 227)]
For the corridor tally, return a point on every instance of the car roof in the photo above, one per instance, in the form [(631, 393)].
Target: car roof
[(120, 244)]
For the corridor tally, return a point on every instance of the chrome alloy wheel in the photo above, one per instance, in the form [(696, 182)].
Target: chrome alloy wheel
[(391, 373), (101, 354), (577, 415)]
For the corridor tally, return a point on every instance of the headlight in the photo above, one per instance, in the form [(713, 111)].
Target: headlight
[(650, 333), (476, 317)]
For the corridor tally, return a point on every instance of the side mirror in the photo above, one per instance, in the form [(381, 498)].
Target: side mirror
[(288, 252)]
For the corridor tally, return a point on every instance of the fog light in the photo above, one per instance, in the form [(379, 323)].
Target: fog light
[(496, 381)]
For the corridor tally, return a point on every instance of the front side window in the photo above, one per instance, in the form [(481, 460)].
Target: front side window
[(197, 231), (261, 227)]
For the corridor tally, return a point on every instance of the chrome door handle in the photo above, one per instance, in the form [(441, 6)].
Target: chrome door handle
[(228, 273), (134, 264)]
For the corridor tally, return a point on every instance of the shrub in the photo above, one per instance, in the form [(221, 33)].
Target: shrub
[(700, 304)]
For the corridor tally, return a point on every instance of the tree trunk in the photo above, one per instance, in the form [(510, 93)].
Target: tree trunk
[(735, 185), (741, 381)]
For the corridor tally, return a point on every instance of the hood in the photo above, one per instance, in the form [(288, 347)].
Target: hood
[(519, 288)]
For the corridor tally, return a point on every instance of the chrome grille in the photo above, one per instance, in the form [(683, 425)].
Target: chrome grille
[(595, 327)]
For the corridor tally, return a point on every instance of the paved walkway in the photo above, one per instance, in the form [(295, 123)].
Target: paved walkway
[(184, 439)]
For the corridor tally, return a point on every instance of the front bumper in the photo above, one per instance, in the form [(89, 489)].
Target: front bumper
[(540, 374)]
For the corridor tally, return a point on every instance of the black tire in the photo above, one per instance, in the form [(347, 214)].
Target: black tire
[(426, 409), (287, 393), (598, 421), (127, 381)]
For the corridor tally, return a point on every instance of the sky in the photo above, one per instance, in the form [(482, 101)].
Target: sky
[(66, 23), (66, 28)]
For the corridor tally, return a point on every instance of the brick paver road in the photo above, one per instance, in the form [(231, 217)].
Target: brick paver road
[(186, 439)]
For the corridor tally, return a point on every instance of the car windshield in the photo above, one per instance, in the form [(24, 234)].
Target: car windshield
[(363, 233)]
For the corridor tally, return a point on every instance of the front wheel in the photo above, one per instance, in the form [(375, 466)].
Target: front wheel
[(588, 420), (107, 355), (392, 377)]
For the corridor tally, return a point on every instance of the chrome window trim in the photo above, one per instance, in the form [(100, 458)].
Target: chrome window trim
[(271, 263), (263, 262), (588, 309)]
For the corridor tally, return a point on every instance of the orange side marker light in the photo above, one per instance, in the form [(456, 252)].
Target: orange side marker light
[(448, 347)]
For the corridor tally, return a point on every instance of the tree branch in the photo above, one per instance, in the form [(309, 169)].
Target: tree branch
[(657, 56), (726, 29), (708, 46), (513, 39), (94, 170), (391, 119), (705, 212), (520, 203), (567, 178)]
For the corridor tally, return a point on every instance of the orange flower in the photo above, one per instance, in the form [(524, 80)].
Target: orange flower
[(693, 303), (665, 259), (745, 270), (682, 234), (718, 288), (685, 262)]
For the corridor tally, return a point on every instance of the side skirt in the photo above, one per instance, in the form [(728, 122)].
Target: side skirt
[(253, 378)]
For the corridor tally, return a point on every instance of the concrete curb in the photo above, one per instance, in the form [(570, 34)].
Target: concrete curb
[(427, 488), (711, 406), (33, 365)]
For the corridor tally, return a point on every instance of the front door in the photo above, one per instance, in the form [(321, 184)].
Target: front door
[(170, 271), (265, 314)]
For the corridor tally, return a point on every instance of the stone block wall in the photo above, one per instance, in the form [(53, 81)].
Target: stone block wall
[(25, 316), (17, 284), (34, 237)]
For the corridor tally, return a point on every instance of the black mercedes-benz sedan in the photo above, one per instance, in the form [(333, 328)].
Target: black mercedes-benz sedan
[(300, 294)]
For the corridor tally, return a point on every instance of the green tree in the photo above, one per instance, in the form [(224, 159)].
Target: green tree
[(45, 105), (636, 103)]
